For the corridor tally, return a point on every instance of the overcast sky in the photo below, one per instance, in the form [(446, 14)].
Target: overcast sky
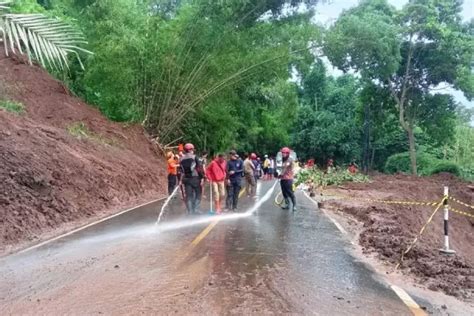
[(329, 11)]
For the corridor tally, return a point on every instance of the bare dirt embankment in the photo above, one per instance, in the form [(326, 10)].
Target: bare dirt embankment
[(387, 229), (62, 163)]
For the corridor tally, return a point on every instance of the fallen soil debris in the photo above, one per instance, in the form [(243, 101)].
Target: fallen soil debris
[(63, 163), (387, 229)]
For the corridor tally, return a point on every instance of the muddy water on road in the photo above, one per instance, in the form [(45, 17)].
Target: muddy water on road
[(270, 261)]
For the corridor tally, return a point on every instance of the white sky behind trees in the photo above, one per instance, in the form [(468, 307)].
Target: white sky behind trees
[(328, 11)]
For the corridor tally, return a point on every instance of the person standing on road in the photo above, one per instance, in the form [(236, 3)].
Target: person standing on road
[(172, 172), (271, 168), (192, 175), (266, 167), (249, 172), (286, 179), (216, 173), (235, 169), (258, 168)]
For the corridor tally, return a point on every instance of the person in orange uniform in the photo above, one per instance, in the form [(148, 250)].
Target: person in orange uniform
[(216, 173), (172, 172)]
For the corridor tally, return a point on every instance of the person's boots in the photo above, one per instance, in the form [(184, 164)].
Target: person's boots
[(293, 204), (287, 205), (218, 207)]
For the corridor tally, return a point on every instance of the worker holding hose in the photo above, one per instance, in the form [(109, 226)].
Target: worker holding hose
[(286, 179)]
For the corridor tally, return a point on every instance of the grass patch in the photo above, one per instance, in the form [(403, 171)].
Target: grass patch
[(12, 106), (81, 131)]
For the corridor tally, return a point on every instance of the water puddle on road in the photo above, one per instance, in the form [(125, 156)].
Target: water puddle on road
[(207, 219), (160, 226)]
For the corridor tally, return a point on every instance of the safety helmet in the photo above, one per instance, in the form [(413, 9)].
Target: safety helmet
[(285, 150), (188, 147), (253, 156)]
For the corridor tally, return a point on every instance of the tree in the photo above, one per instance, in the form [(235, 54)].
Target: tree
[(409, 53), (176, 63), (47, 40), (323, 102)]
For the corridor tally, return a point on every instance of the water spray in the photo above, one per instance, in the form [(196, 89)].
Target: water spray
[(166, 204)]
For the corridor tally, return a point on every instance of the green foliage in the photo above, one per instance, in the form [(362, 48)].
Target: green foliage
[(26, 6), (12, 106), (174, 63), (45, 39), (446, 166), (467, 173), (81, 131), (318, 178), (324, 102), (408, 52), (428, 164), (401, 163)]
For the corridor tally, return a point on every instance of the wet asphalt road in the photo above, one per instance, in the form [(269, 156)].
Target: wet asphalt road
[(264, 261)]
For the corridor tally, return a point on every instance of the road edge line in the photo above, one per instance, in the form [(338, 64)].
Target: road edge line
[(336, 223), (402, 294), (408, 301), (83, 227)]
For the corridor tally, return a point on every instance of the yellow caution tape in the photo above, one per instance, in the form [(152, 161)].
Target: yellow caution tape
[(386, 201), (421, 232), (461, 212), (461, 202)]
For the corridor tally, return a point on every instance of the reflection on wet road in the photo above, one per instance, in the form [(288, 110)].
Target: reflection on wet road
[(261, 261)]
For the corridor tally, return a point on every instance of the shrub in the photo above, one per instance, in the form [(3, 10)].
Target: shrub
[(401, 163), (320, 178), (446, 166), (81, 131), (467, 173), (426, 164), (12, 106)]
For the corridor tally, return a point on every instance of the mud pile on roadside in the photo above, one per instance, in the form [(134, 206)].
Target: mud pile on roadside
[(388, 229), (63, 163)]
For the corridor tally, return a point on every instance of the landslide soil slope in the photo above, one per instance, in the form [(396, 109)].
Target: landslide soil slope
[(388, 229), (52, 179)]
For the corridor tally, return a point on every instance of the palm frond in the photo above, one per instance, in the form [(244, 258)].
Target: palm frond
[(42, 38), (4, 5)]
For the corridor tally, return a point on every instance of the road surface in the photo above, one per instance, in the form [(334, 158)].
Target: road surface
[(263, 260)]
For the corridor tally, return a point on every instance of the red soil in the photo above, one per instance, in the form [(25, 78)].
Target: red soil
[(389, 228), (50, 180)]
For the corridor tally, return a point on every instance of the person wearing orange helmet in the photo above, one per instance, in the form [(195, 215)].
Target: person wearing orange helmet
[(192, 174), (249, 173), (286, 179)]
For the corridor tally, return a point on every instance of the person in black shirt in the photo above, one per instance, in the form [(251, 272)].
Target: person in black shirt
[(192, 174), (235, 169)]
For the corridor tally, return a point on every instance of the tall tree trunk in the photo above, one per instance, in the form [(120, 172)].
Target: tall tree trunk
[(366, 148), (411, 141)]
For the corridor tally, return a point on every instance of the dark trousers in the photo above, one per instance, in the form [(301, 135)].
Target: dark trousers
[(287, 190), (193, 191), (172, 180), (233, 191)]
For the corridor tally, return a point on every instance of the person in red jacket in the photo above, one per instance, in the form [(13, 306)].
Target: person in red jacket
[(216, 173)]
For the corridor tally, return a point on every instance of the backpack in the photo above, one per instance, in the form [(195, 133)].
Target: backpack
[(191, 167)]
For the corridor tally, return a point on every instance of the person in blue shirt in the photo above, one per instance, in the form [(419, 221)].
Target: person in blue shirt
[(235, 170)]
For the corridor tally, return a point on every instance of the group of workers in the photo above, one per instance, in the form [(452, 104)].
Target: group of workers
[(189, 172)]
